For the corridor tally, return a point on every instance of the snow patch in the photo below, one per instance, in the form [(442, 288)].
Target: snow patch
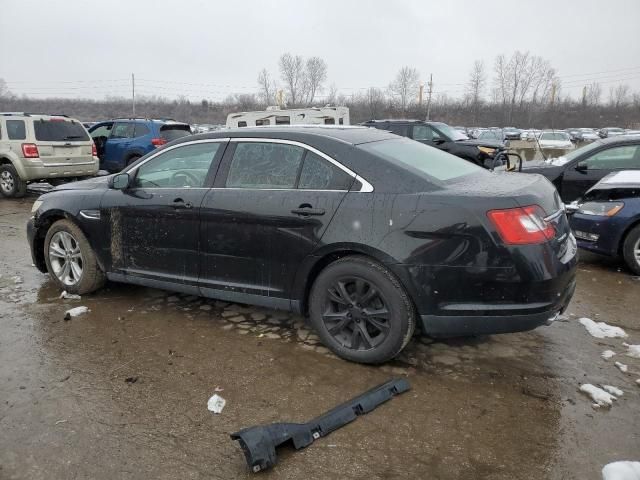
[(602, 329), (613, 390), (69, 296), (216, 403), (598, 395), (74, 312), (624, 470), (625, 176), (623, 368), (632, 350), (607, 354), (557, 162)]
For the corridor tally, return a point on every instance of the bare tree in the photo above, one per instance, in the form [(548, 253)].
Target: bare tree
[(267, 87), (332, 96), (4, 90), (475, 87), (374, 99), (405, 86), (315, 76), (594, 92), (292, 71), (619, 96)]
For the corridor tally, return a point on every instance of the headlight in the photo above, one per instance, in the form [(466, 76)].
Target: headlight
[(36, 205), (487, 150), (604, 209)]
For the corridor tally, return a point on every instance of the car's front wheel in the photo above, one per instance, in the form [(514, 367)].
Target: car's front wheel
[(11, 185), (70, 260), (360, 310), (631, 250)]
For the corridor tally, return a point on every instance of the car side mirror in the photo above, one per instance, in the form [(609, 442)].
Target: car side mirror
[(581, 167), (120, 181), (438, 141)]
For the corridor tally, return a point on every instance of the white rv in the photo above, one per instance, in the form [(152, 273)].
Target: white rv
[(295, 116)]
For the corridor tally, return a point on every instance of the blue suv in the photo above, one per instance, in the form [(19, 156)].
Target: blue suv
[(122, 141)]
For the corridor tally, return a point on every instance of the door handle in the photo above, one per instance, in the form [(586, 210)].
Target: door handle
[(308, 211), (178, 204)]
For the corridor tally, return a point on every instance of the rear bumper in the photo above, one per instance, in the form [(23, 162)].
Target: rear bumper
[(497, 318), (42, 171)]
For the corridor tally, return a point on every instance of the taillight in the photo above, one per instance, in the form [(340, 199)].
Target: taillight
[(157, 142), (522, 225), (30, 150), (94, 150)]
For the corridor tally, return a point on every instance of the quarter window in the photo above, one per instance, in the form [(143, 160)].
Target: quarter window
[(16, 130), (264, 165), (318, 174), (181, 167), (624, 156)]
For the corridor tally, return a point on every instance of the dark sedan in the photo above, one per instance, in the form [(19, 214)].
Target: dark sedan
[(368, 233), (577, 171), (607, 219)]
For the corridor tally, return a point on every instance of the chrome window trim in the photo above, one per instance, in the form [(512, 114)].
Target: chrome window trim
[(366, 186)]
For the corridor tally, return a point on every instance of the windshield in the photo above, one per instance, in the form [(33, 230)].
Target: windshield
[(452, 133), (59, 131), (490, 135), (421, 159), (554, 136)]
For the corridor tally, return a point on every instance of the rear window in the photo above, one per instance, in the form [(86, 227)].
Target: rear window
[(171, 132), (59, 131), (426, 160)]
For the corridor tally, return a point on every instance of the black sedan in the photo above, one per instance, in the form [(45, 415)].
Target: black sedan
[(368, 233), (580, 169)]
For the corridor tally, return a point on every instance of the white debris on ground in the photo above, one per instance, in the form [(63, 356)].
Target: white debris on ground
[(74, 312), (632, 350), (607, 354), (623, 368), (602, 329), (598, 395), (216, 403), (624, 470), (69, 296), (17, 279), (613, 390)]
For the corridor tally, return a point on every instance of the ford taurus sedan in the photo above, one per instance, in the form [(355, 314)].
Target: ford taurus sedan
[(370, 234)]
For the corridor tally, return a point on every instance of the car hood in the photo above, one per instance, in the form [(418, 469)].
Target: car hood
[(481, 143), (90, 184)]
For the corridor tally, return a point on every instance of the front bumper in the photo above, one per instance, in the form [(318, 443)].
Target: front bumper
[(597, 233)]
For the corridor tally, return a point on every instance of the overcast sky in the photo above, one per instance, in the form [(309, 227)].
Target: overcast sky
[(209, 49)]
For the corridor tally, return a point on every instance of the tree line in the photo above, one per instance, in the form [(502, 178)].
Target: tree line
[(520, 89)]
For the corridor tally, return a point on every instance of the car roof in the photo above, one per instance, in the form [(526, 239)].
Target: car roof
[(621, 139), (352, 135)]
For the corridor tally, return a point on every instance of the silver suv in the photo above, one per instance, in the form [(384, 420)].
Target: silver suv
[(38, 147)]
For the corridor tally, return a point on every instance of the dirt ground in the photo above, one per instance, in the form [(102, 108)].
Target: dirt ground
[(121, 392)]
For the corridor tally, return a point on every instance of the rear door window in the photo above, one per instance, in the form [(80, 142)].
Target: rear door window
[(171, 132), (16, 130), (319, 174), (264, 165), (59, 131)]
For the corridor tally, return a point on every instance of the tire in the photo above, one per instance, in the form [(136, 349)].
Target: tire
[(631, 249), (11, 185), (132, 159), (67, 238), (343, 326)]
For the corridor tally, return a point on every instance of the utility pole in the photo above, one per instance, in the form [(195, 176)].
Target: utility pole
[(420, 94), (279, 98), (133, 95), (429, 96)]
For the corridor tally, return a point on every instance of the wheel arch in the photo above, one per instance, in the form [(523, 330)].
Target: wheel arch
[(633, 224), (8, 159), (315, 263)]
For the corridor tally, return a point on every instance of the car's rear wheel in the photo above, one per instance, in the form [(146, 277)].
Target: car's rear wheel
[(631, 250), (70, 259), (11, 185), (360, 310)]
